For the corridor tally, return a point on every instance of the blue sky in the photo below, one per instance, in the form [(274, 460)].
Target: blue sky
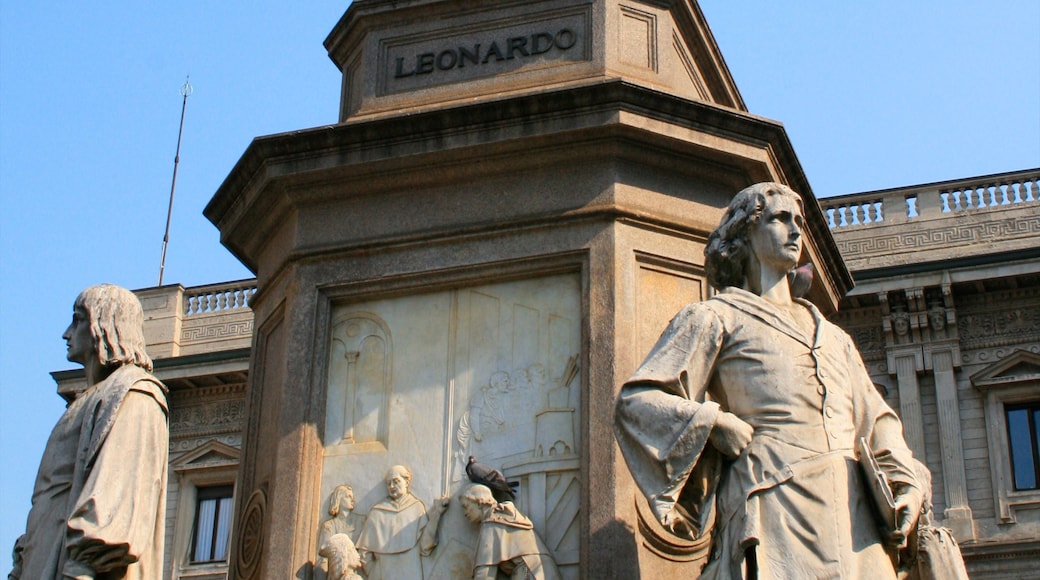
[(873, 95)]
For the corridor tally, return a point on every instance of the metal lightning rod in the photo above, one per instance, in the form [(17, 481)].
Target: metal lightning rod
[(185, 91)]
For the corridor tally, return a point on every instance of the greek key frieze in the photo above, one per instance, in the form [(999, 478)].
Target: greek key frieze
[(237, 328), (954, 235)]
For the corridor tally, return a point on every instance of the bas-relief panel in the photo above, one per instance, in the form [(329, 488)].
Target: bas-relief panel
[(425, 381)]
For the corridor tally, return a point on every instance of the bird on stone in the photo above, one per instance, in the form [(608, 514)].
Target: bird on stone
[(800, 280), (492, 478)]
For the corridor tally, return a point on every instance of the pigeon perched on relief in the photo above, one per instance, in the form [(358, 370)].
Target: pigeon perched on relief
[(800, 280), (492, 478)]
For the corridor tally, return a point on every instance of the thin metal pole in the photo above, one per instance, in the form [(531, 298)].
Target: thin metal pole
[(186, 91)]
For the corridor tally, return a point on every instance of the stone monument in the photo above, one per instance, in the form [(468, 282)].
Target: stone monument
[(99, 503), (514, 202), (743, 421)]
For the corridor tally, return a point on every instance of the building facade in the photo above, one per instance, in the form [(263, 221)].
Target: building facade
[(946, 312), (462, 265)]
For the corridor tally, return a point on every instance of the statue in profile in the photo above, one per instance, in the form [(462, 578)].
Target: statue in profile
[(743, 420), (508, 545), (99, 502), (398, 530)]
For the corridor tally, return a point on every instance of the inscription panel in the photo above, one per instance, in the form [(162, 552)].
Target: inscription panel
[(419, 61)]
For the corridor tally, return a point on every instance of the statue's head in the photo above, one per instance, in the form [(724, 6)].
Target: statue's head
[(476, 500), (342, 500), (726, 255), (500, 381), (398, 480), (107, 323)]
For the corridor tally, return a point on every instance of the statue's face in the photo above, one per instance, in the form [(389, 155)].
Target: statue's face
[(776, 240), (77, 337), (500, 382), (396, 484), (472, 511), (347, 502), (938, 319)]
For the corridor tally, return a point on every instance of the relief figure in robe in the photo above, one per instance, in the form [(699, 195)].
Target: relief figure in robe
[(343, 519), (398, 531), (742, 422), (99, 502), (508, 546)]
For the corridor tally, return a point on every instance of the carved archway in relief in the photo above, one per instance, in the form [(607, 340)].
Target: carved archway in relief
[(360, 381)]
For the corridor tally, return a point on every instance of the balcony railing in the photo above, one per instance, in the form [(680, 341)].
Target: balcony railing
[(215, 298), (945, 199)]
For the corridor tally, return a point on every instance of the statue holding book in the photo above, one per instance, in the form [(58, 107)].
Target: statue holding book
[(743, 420)]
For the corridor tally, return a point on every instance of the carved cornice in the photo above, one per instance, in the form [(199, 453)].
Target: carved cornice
[(225, 416)]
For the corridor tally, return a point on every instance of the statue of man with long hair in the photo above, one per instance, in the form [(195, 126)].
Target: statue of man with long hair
[(100, 495), (743, 421)]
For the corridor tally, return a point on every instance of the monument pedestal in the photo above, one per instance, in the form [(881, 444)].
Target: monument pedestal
[(476, 257)]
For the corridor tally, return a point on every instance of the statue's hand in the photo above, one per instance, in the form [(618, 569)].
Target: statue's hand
[(677, 524), (909, 501), (441, 504), (731, 434)]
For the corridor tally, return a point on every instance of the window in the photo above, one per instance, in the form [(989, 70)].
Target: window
[(1023, 440), (1011, 387), (212, 523)]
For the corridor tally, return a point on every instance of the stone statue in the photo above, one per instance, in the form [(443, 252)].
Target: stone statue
[(744, 417), (99, 502), (507, 545), (398, 530), (343, 520), (343, 558)]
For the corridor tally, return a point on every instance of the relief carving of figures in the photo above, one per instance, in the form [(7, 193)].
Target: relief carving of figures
[(398, 531), (483, 413), (507, 545), (343, 520)]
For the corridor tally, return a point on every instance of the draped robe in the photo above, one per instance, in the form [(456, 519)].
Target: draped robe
[(795, 496), (508, 539), (100, 496), (392, 535)]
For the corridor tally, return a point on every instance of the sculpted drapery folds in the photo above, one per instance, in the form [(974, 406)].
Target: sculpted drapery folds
[(398, 530), (742, 420), (100, 494)]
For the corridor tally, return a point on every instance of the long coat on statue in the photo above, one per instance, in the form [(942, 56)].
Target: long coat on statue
[(100, 494), (795, 497)]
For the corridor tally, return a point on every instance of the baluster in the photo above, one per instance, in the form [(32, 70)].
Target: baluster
[(1031, 192), (844, 222), (854, 210), (1016, 196), (879, 215), (830, 217), (1003, 188), (911, 206)]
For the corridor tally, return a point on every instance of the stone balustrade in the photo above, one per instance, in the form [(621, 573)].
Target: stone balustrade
[(182, 321), (936, 200), (218, 297)]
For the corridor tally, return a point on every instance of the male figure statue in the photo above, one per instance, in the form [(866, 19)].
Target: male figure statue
[(100, 496), (508, 545), (398, 530), (746, 413)]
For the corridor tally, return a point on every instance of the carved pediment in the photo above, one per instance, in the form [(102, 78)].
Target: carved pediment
[(1019, 367), (208, 455)]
